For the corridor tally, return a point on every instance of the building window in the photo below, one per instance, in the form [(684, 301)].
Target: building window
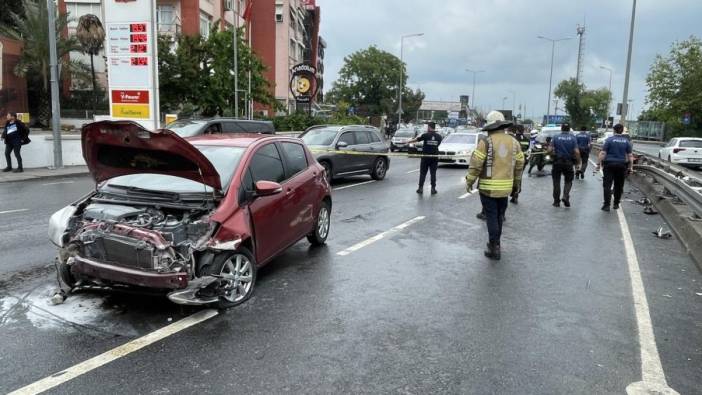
[(279, 12), (205, 25)]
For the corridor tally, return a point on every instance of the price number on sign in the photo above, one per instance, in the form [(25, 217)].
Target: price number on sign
[(137, 27), (138, 48), (138, 38), (140, 61)]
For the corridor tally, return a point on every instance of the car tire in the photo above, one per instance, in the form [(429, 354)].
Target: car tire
[(322, 224), (327, 170), (238, 268), (380, 169)]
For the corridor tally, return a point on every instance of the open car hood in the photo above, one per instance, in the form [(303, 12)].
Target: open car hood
[(117, 148)]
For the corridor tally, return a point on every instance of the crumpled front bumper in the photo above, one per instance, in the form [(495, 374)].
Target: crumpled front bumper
[(86, 267)]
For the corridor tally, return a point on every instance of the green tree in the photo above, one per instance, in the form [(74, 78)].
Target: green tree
[(199, 72), (368, 82), (583, 105), (6, 18), (675, 88), (32, 29)]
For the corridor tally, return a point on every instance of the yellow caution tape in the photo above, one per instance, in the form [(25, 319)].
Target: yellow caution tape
[(394, 154)]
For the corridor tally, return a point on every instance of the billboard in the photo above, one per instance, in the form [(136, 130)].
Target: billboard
[(130, 47)]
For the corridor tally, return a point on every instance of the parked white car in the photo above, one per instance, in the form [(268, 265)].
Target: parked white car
[(457, 148), (683, 151)]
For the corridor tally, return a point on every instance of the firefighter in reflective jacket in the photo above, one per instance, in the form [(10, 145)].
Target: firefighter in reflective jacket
[(498, 162)]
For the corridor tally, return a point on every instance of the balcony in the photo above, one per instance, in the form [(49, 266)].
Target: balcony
[(169, 29)]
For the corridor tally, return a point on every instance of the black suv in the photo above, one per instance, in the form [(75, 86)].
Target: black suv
[(195, 127), (325, 142)]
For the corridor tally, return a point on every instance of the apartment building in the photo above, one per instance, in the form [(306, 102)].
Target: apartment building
[(285, 33)]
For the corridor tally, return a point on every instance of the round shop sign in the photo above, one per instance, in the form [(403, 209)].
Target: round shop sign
[(303, 82)]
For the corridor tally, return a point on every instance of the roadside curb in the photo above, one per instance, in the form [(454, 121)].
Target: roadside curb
[(677, 215), (41, 174)]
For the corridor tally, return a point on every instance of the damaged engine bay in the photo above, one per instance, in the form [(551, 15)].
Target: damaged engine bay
[(108, 243)]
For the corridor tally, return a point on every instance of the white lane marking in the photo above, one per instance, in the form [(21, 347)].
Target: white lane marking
[(116, 353), (413, 171), (652, 373), (58, 182), (353, 185), (14, 211), (379, 236)]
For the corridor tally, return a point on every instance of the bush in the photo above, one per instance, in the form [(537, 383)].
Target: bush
[(301, 121)]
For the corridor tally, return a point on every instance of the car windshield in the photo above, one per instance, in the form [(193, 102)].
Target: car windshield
[(405, 133), (691, 143), (224, 159), (461, 139), (186, 127), (319, 136)]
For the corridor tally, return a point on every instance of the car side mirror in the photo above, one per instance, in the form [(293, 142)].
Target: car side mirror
[(341, 144), (268, 188)]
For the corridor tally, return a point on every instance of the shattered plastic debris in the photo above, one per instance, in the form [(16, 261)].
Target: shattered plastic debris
[(662, 234), (59, 297), (650, 210)]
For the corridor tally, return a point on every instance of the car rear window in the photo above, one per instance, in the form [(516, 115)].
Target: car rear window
[(691, 143), (297, 160)]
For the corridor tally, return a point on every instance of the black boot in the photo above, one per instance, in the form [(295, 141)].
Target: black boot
[(7, 169), (18, 170), (493, 251), (481, 216)]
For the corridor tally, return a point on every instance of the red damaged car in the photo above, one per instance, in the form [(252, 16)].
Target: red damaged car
[(194, 218)]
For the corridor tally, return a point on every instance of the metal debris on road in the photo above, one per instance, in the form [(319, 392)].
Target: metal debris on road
[(662, 234)]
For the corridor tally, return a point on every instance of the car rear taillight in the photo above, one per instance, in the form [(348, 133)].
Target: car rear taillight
[(676, 150)]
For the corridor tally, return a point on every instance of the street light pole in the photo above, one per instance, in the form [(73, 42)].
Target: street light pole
[(625, 96), (55, 105), (402, 63), (472, 105), (609, 105), (550, 78)]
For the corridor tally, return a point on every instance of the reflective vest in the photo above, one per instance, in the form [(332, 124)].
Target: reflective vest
[(498, 162)]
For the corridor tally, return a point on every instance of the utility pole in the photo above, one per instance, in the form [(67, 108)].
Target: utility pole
[(581, 38), (625, 96), (402, 63), (55, 105), (472, 99), (550, 79)]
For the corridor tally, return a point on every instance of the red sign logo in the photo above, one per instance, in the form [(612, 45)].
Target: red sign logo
[(130, 97)]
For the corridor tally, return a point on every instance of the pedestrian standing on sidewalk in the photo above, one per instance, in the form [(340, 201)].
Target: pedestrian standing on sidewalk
[(584, 144), (564, 148), (428, 163), (498, 162), (616, 160), (14, 134)]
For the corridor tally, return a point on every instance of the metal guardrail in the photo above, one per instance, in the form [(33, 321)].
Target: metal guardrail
[(679, 181)]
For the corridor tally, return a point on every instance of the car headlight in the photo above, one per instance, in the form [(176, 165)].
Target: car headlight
[(58, 223)]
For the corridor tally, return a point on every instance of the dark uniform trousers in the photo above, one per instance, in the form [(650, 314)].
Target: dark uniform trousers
[(585, 156), (428, 164), (613, 173), (10, 147), (562, 167), (495, 209)]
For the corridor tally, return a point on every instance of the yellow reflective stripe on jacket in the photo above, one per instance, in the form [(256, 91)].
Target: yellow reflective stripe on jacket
[(496, 185), (520, 155), (479, 155)]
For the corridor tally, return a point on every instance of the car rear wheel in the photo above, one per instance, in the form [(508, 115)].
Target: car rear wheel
[(321, 229), (237, 271), (327, 169), (380, 169)]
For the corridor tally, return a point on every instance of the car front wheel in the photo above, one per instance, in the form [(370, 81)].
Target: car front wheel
[(237, 272), (380, 169), (321, 228)]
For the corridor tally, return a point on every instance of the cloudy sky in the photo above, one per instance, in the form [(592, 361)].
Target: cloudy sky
[(500, 36)]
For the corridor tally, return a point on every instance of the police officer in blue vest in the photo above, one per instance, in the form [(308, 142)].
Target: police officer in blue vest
[(617, 161), (584, 144), (564, 148)]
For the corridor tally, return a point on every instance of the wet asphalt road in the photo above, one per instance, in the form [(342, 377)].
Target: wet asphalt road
[(418, 311)]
